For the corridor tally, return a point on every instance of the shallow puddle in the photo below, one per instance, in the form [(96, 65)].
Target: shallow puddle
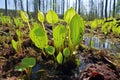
[(103, 44)]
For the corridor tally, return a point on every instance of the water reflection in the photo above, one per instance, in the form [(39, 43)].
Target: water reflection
[(102, 44)]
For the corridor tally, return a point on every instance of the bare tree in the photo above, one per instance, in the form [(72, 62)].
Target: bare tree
[(21, 5), (102, 8), (39, 3), (114, 8), (6, 11), (110, 5), (76, 3), (27, 7), (62, 6), (15, 3), (106, 5), (79, 1), (35, 3), (118, 6)]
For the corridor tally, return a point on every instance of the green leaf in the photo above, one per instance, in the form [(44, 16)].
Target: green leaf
[(66, 52), (24, 16), (39, 36), (69, 14), (59, 33), (18, 33), (19, 68), (59, 58), (76, 29), (40, 16), (50, 50), (52, 17), (94, 24), (92, 44), (14, 44), (26, 63)]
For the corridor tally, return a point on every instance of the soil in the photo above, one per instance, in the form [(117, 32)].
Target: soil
[(97, 65)]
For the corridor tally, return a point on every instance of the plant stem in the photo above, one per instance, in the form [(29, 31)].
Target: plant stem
[(43, 52), (29, 26)]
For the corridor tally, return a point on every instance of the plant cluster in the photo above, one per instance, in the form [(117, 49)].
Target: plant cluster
[(65, 37)]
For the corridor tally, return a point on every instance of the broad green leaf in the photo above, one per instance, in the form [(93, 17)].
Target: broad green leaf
[(40, 16), (39, 36), (24, 16), (59, 33), (60, 58), (76, 29), (26, 63), (69, 14), (52, 17), (66, 52), (14, 44), (50, 50)]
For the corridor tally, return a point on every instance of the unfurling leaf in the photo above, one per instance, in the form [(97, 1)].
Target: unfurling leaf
[(50, 50), (14, 44), (69, 14), (66, 52), (52, 17), (40, 16), (24, 16), (60, 58)]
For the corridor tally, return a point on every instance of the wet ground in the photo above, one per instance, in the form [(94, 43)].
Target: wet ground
[(101, 62)]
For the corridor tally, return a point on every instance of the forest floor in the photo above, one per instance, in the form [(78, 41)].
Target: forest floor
[(96, 64)]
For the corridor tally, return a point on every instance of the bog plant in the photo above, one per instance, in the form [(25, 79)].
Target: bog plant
[(25, 18), (65, 37), (17, 45), (26, 65)]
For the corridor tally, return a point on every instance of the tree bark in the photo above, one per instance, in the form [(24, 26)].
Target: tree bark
[(15, 3), (110, 9), (79, 1), (102, 8), (63, 2), (6, 11), (114, 8), (106, 8), (27, 7), (39, 2), (21, 3)]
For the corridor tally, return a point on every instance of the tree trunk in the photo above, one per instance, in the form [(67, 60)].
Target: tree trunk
[(102, 8), (21, 3), (35, 8), (39, 2), (6, 11), (63, 3), (79, 1), (27, 7), (106, 8), (114, 8), (110, 9), (76, 3)]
